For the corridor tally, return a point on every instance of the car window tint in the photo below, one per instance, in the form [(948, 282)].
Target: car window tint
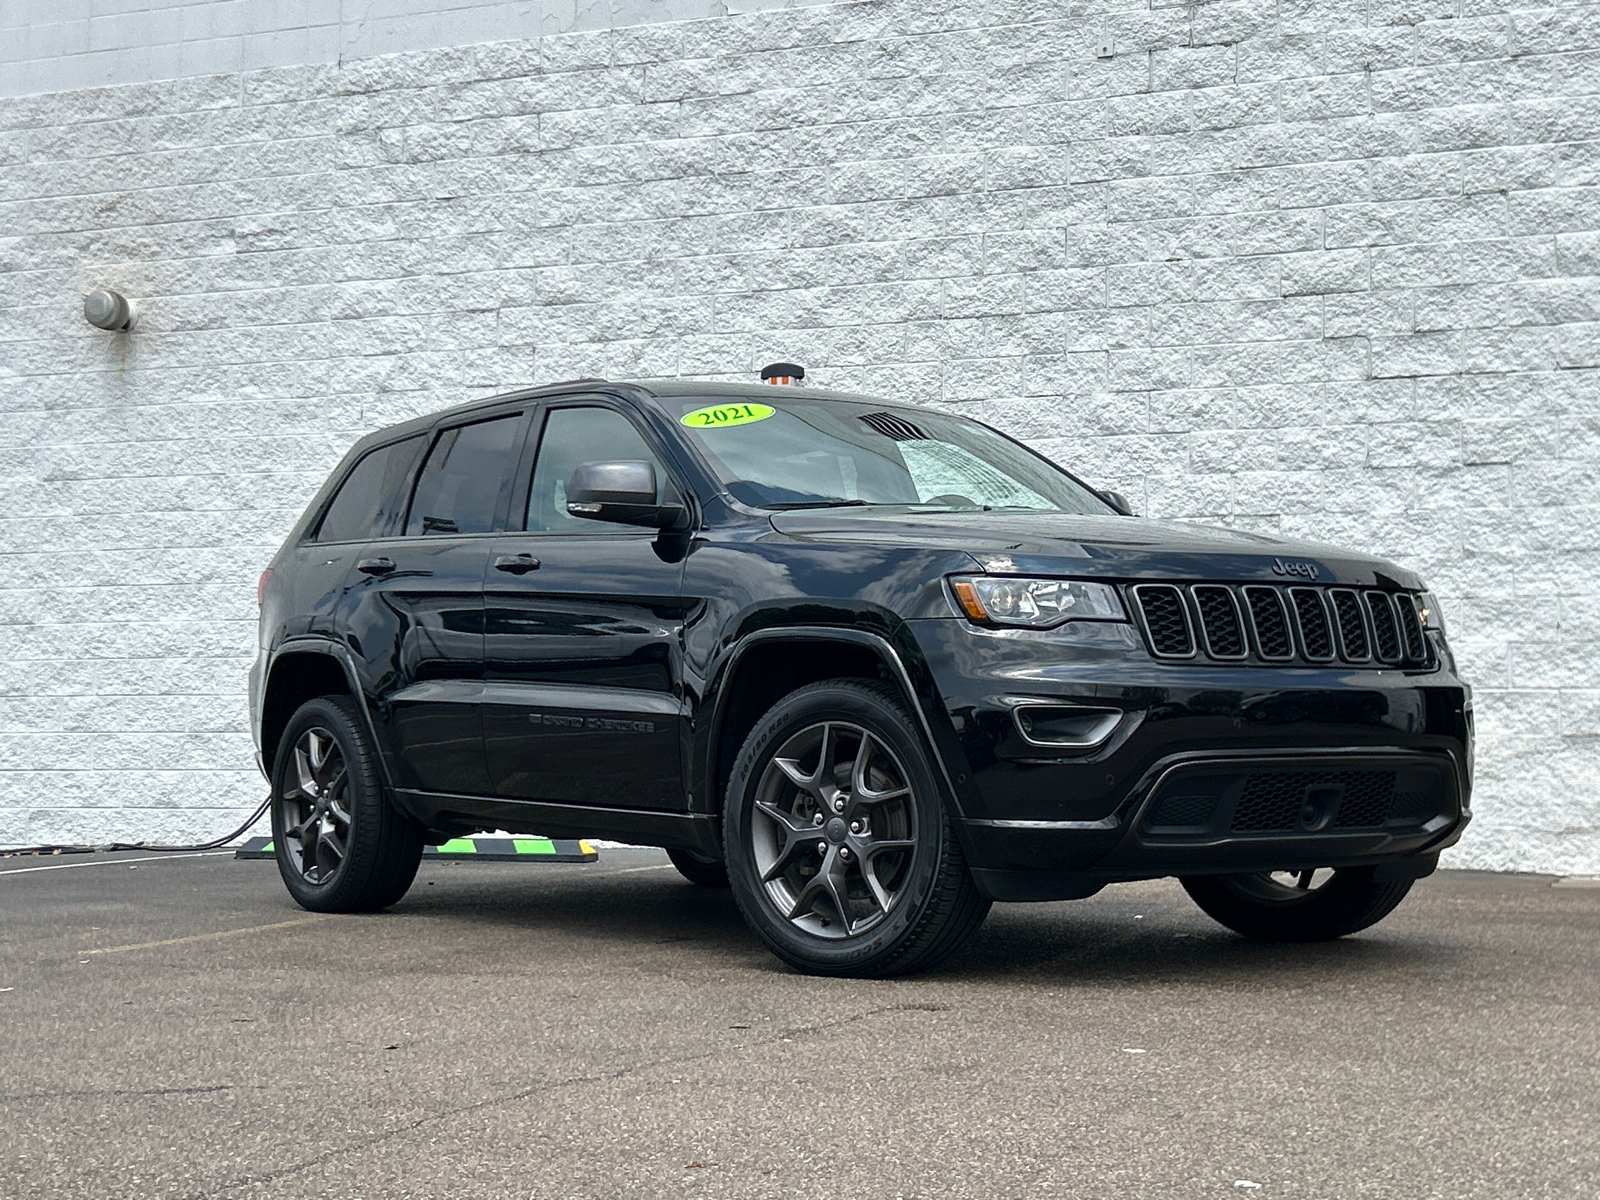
[(460, 485), (572, 437), (371, 495)]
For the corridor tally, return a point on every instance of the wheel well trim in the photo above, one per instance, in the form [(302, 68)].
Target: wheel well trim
[(878, 644), (293, 647)]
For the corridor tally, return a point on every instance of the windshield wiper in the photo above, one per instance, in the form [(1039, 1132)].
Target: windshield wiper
[(786, 505)]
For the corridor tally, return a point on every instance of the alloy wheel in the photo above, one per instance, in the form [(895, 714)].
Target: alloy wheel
[(315, 806), (833, 829)]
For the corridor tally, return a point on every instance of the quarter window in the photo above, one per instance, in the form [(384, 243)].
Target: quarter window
[(572, 437), (369, 499), (466, 472)]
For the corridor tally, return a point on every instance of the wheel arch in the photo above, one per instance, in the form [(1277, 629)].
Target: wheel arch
[(768, 664), (301, 671)]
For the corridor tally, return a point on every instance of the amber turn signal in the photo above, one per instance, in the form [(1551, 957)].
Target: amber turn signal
[(967, 597)]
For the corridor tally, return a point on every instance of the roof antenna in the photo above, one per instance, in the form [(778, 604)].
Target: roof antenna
[(783, 373)]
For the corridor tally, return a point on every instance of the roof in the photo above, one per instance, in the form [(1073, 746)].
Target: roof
[(664, 389)]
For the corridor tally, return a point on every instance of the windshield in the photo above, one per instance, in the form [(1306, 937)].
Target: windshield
[(774, 452)]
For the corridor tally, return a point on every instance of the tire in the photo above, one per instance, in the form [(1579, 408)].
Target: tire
[(1270, 909), (697, 868), (341, 845), (890, 893)]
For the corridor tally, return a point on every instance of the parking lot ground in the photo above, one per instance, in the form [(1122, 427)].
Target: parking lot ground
[(177, 1027)]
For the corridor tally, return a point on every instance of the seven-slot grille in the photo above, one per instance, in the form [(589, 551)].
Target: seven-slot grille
[(1276, 624)]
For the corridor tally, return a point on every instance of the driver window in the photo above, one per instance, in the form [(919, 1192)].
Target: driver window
[(572, 437)]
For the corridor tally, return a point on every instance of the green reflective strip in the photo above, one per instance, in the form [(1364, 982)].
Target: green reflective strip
[(534, 845), (267, 849), (458, 846)]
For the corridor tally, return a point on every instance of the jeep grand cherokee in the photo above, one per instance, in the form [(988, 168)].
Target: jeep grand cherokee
[(874, 666)]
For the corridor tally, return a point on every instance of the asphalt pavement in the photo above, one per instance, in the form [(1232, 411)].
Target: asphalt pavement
[(175, 1026)]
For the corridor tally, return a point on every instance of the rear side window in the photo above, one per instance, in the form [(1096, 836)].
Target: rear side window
[(370, 498), (467, 471)]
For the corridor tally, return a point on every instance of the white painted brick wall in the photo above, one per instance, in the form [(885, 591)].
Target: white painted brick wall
[(56, 45), (1321, 268)]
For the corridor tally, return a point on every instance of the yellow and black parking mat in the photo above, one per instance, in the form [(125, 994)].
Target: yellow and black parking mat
[(477, 849)]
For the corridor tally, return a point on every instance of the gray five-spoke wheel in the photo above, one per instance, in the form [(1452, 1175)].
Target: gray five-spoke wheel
[(315, 806), (833, 828)]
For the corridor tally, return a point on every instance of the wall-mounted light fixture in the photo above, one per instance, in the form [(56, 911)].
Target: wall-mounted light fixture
[(105, 309)]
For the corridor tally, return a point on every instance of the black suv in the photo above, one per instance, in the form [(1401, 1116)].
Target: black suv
[(875, 666)]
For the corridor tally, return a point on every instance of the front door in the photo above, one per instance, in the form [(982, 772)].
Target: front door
[(583, 623), (416, 611)]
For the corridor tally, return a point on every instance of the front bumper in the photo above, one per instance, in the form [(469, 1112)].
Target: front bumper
[(1204, 769)]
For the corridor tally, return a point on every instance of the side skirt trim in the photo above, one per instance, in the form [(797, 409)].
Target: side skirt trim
[(642, 827)]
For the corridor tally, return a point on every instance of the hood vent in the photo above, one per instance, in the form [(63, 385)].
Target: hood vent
[(891, 426)]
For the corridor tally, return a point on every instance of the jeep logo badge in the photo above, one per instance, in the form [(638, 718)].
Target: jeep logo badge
[(1308, 570)]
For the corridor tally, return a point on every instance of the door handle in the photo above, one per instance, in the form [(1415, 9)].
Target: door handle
[(517, 564), (375, 566)]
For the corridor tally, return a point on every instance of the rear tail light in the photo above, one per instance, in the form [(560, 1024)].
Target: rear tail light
[(261, 585)]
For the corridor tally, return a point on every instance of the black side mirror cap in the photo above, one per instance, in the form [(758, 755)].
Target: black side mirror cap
[(622, 492), (1119, 502)]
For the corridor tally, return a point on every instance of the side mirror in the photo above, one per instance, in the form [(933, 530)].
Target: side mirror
[(1119, 502), (622, 492)]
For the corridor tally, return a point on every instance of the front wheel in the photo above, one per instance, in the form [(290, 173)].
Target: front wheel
[(341, 846), (1297, 906), (839, 850)]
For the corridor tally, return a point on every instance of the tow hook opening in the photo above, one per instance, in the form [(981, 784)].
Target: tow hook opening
[(1318, 807)]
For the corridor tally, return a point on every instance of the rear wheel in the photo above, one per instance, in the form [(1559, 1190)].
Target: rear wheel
[(341, 846), (700, 868), (839, 850), (1297, 906)]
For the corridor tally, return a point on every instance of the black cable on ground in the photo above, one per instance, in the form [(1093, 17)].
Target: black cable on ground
[(211, 845)]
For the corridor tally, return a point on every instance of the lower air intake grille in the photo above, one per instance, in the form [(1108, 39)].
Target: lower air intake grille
[(1272, 801), (1166, 619), (1184, 810), (1367, 795)]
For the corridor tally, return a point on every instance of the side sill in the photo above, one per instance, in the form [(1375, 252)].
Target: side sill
[(641, 827)]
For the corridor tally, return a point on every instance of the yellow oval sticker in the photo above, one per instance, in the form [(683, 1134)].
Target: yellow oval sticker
[(720, 416)]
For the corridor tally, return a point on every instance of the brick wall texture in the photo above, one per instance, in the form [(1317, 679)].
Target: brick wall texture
[(1322, 268)]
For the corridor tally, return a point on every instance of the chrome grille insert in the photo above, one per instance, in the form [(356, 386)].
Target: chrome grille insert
[(1280, 623), (1220, 622), (1385, 631), (1316, 635), (1270, 623), (1353, 643), (1166, 619), (1416, 647)]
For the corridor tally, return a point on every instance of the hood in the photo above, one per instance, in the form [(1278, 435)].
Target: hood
[(1100, 546)]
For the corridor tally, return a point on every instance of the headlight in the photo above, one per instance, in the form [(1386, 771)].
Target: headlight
[(1430, 612), (1035, 603)]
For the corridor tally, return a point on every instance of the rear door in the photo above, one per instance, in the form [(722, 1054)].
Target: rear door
[(415, 615), (584, 622), (368, 505)]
